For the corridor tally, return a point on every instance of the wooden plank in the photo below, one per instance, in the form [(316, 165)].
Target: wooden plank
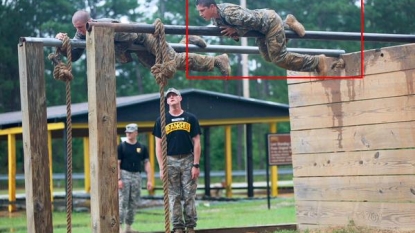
[(354, 138), (399, 83), (376, 61), (389, 59), (349, 228), (35, 147), (102, 124), (396, 109), (384, 215), (352, 70), (380, 162), (356, 188)]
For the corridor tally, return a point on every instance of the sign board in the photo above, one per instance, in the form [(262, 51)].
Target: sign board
[(279, 149)]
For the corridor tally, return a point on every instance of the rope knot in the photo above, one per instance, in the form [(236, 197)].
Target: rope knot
[(164, 71), (159, 28), (164, 68), (62, 71)]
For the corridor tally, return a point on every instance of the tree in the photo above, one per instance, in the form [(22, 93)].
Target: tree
[(45, 18)]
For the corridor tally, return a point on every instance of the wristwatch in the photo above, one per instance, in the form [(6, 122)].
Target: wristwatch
[(196, 165)]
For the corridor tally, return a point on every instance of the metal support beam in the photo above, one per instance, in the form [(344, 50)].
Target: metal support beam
[(51, 42), (215, 31)]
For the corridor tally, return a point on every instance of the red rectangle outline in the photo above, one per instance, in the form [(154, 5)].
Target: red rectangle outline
[(193, 77)]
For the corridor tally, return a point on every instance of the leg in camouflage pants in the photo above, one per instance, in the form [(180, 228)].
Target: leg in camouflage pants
[(274, 48), (129, 196), (147, 58), (182, 186), (197, 62)]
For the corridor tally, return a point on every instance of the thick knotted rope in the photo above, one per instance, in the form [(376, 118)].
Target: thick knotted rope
[(165, 68), (162, 71), (64, 73)]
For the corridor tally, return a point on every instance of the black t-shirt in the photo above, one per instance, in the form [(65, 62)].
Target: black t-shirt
[(179, 131), (132, 156)]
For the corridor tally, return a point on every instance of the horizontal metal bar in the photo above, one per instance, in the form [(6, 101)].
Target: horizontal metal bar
[(52, 42), (193, 48), (215, 31), (252, 50)]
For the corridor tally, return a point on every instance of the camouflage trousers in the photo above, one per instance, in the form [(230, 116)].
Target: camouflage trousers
[(129, 196), (273, 48), (181, 186), (147, 58), (197, 62)]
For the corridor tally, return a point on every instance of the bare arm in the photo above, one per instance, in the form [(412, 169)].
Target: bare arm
[(159, 155), (119, 169), (76, 53), (147, 168), (196, 154), (120, 184)]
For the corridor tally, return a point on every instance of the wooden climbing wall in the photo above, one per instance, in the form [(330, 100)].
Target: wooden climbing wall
[(353, 143)]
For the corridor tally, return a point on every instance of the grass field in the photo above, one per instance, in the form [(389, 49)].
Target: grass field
[(211, 214)]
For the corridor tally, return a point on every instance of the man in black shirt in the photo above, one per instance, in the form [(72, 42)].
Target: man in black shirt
[(183, 156), (131, 156)]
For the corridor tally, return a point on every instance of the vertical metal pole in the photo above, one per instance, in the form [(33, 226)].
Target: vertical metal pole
[(249, 160), (267, 172), (245, 90), (11, 144), (245, 81), (228, 160), (206, 158)]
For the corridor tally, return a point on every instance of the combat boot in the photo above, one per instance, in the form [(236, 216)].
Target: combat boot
[(222, 63), (190, 230), (322, 66), (294, 25), (196, 40)]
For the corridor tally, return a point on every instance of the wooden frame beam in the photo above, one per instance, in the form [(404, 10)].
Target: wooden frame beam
[(102, 130), (35, 140)]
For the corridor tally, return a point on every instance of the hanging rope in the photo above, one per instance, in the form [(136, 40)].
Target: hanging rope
[(162, 71), (63, 72)]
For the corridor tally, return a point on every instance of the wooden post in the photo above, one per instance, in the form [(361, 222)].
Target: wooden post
[(35, 138), (274, 169), (87, 170), (102, 124), (11, 141), (152, 155)]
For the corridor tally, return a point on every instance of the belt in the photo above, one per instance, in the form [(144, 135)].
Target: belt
[(180, 156)]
